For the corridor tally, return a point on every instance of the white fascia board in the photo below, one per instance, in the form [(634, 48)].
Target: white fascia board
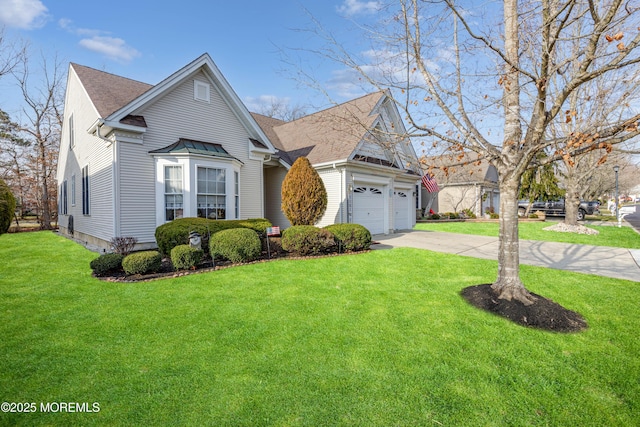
[(205, 63)]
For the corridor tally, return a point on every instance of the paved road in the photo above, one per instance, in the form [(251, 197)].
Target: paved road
[(599, 260)]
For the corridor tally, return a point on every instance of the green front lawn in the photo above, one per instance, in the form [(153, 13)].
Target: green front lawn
[(381, 338), (623, 237)]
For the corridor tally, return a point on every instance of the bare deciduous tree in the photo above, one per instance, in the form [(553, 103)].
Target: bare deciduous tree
[(42, 122), (495, 79)]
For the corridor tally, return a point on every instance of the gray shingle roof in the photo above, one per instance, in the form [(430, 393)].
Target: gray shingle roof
[(108, 92), (329, 135)]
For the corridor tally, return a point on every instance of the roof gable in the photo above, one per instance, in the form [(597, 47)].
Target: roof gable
[(329, 135), (117, 99)]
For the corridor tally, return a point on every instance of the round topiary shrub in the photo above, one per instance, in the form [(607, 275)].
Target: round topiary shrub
[(351, 237), (142, 262), (7, 207), (106, 263), (307, 240), (184, 257), (236, 245)]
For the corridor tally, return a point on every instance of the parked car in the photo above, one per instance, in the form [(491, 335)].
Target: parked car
[(556, 208)]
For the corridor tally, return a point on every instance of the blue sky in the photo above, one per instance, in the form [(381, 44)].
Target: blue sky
[(147, 41)]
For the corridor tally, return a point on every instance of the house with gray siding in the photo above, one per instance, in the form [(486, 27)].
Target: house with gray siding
[(134, 156)]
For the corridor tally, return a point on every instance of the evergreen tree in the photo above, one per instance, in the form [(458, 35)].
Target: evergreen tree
[(539, 183), (7, 207), (304, 198)]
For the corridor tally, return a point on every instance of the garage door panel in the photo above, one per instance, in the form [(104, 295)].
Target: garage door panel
[(368, 209), (401, 209)]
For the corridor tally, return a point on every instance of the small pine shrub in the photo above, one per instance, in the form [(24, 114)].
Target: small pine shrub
[(351, 237), (176, 232), (307, 240), (236, 245), (434, 216), (184, 257), (106, 263), (142, 262)]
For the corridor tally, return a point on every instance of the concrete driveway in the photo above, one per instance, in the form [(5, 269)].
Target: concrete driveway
[(598, 260)]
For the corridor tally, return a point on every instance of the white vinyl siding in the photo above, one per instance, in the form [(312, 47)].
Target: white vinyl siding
[(178, 115), (336, 197), (273, 178), (90, 151)]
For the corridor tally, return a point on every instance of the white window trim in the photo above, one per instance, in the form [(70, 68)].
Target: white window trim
[(190, 166)]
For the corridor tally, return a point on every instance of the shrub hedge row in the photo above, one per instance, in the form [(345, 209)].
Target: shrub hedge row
[(351, 237), (176, 232)]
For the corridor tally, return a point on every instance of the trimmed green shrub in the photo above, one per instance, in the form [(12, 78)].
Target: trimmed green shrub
[(7, 207), (184, 257), (351, 237), (434, 216), (142, 262), (307, 240), (236, 245), (176, 232), (304, 197), (106, 263)]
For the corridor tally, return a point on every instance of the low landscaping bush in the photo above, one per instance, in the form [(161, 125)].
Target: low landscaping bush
[(142, 262), (307, 240), (176, 232), (123, 245), (184, 257), (106, 263), (469, 213), (351, 237), (434, 216), (236, 245)]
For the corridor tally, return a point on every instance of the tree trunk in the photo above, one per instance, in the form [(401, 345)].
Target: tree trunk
[(571, 204), (45, 219), (508, 284)]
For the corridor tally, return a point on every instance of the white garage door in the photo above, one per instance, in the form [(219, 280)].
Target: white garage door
[(368, 208), (401, 208)]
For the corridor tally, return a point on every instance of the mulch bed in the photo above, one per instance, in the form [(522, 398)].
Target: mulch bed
[(167, 270), (542, 314)]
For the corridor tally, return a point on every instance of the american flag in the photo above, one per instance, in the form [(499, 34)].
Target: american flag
[(430, 183)]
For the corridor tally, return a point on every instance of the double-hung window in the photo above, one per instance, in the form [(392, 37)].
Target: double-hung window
[(173, 197), (211, 195)]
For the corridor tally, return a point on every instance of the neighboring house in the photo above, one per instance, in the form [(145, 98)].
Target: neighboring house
[(471, 184), (134, 156)]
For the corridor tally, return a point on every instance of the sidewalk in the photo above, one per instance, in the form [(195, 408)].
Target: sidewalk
[(599, 260)]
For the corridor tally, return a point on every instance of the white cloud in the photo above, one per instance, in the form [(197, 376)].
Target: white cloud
[(354, 7), (264, 103), (24, 14), (112, 47)]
